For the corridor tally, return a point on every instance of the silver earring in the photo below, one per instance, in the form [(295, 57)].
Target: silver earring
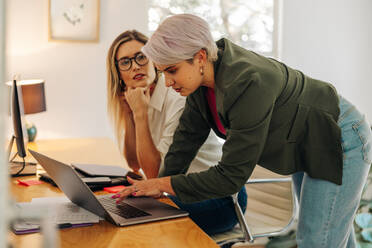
[(201, 71)]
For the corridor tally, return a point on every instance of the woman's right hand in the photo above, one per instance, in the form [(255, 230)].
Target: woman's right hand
[(138, 100)]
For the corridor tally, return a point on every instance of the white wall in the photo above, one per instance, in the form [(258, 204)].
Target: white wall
[(75, 73), (332, 41)]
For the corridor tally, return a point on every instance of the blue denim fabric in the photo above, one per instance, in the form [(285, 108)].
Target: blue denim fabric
[(214, 215), (327, 210)]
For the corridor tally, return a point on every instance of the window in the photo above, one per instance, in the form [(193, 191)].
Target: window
[(251, 24)]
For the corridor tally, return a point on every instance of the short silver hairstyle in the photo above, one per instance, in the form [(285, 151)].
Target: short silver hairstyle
[(179, 38)]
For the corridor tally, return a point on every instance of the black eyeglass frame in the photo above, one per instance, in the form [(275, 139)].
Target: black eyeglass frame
[(131, 63)]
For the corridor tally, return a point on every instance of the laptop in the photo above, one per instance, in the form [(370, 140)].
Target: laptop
[(95, 170), (132, 210)]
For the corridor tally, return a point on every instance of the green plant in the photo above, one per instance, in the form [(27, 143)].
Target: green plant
[(363, 219)]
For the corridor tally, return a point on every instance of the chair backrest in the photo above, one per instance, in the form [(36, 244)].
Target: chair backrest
[(271, 208), (271, 205)]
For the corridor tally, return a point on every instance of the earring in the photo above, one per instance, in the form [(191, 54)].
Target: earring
[(201, 71)]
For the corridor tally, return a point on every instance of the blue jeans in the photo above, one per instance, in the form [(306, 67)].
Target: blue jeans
[(214, 215), (327, 210)]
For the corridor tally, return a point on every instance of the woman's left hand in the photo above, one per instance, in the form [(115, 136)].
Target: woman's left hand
[(151, 187)]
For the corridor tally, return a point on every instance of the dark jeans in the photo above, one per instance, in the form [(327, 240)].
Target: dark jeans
[(214, 215)]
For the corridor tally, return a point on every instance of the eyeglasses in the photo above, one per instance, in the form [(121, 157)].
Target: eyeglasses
[(124, 64)]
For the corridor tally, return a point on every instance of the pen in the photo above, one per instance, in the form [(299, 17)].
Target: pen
[(64, 225), (68, 225)]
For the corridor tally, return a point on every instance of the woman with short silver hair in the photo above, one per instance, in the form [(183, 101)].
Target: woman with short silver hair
[(269, 114)]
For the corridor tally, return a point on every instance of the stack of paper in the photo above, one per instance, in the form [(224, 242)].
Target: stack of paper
[(58, 210)]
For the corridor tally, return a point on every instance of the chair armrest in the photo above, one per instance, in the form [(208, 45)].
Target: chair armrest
[(269, 180)]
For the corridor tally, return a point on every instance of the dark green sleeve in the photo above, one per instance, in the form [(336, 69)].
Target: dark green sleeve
[(189, 136), (249, 118)]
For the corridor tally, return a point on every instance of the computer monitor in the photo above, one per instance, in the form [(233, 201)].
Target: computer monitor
[(19, 129)]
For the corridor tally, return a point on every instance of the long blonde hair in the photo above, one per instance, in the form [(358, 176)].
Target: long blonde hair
[(113, 82)]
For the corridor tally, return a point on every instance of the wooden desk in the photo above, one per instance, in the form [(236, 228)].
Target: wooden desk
[(181, 232)]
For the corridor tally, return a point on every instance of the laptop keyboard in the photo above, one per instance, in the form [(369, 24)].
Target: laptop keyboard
[(124, 210)]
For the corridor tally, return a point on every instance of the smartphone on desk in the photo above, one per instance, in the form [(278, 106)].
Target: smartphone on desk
[(134, 175)]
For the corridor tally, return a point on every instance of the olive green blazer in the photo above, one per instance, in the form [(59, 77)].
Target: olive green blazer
[(273, 115)]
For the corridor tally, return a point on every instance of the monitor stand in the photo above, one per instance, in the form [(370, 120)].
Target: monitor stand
[(16, 168), (20, 168)]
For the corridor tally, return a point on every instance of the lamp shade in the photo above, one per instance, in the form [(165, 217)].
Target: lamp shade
[(33, 96)]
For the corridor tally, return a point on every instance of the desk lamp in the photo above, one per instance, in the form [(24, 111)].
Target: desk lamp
[(33, 101)]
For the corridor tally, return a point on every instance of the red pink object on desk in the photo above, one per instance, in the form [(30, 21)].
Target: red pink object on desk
[(29, 182), (114, 189)]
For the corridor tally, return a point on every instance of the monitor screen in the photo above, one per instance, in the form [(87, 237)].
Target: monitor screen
[(19, 124)]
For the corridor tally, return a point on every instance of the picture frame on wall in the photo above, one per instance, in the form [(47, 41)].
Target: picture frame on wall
[(74, 20)]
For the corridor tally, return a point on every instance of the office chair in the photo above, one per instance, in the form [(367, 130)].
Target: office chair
[(271, 209)]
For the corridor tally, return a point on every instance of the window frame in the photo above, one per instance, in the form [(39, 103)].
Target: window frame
[(277, 30)]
